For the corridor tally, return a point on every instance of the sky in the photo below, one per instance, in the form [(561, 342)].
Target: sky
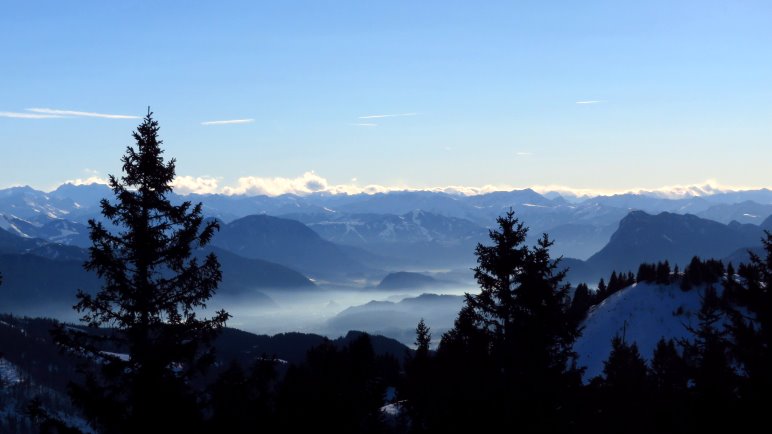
[(274, 96)]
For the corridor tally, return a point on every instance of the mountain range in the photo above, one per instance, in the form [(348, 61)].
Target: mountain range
[(643, 237), (40, 276), (358, 239)]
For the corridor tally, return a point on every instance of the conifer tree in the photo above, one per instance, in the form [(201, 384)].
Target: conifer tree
[(668, 369), (709, 360), (751, 326), (417, 389), (602, 289), (669, 381), (152, 289), (625, 370), (423, 339), (581, 302), (522, 321), (625, 393), (663, 273)]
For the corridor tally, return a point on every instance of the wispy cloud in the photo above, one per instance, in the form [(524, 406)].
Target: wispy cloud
[(17, 115), (590, 101), (229, 122), (75, 113), (365, 124), (396, 115)]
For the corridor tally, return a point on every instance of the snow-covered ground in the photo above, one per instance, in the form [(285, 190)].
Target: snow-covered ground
[(9, 373), (642, 313)]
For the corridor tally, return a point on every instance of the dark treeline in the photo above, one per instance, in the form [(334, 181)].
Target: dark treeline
[(523, 377), (145, 358)]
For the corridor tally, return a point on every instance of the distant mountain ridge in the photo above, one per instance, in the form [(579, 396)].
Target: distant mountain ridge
[(408, 280), (643, 237), (383, 224), (286, 242), (37, 273)]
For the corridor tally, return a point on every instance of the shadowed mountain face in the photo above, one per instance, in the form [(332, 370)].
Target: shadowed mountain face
[(42, 275), (767, 224), (677, 238), (244, 275), (286, 242), (33, 284)]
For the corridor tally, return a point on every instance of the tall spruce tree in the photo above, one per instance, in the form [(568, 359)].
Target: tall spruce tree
[(423, 339), (709, 360), (751, 328), (625, 394), (417, 386), (522, 321), (152, 289)]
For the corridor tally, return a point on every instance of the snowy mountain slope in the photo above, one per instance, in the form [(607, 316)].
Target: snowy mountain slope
[(743, 212), (415, 226), (642, 313), (55, 230)]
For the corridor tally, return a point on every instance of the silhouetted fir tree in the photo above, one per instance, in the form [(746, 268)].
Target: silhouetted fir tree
[(613, 284), (581, 302), (751, 329), (416, 390), (630, 279), (334, 390), (669, 381), (668, 369), (646, 273), (152, 287), (663, 273), (243, 401), (625, 389), (709, 361), (700, 272), (423, 339), (522, 324), (602, 289)]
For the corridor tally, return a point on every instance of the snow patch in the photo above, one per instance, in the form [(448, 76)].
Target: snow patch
[(642, 313), (9, 373)]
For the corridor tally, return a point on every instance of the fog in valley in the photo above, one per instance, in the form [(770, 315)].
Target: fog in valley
[(333, 312)]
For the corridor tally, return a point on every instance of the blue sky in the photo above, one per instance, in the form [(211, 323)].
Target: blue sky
[(488, 94)]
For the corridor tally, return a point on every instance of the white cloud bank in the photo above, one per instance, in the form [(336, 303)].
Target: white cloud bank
[(94, 179), (196, 184), (310, 182)]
